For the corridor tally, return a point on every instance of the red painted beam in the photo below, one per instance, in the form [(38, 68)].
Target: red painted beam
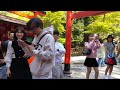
[(39, 13), (21, 14), (83, 14), (26, 15), (68, 41), (35, 14)]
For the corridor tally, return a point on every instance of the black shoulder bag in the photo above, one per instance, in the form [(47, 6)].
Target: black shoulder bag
[(86, 51), (36, 46)]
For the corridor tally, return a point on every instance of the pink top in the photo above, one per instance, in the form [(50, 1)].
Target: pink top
[(94, 46)]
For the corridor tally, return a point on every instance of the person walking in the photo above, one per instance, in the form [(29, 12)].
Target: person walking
[(109, 54)]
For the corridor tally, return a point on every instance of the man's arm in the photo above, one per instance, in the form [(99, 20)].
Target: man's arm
[(61, 49), (49, 49), (8, 57)]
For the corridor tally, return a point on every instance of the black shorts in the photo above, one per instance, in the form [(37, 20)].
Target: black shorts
[(91, 62)]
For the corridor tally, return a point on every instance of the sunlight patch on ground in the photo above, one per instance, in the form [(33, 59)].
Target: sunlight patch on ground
[(116, 76)]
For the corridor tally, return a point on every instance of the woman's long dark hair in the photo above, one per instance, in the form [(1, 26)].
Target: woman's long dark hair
[(22, 30)]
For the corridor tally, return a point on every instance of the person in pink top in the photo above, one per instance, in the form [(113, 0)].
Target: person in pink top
[(90, 61)]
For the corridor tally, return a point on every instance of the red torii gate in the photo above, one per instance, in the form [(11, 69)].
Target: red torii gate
[(70, 17)]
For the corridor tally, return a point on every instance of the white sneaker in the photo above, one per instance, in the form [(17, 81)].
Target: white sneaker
[(109, 77), (105, 77)]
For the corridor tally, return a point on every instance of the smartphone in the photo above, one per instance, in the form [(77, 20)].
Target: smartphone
[(96, 40), (28, 42)]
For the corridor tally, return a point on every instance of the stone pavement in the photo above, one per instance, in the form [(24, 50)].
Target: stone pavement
[(78, 70)]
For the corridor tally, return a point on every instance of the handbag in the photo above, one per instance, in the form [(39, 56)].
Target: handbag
[(110, 61), (114, 60), (86, 51)]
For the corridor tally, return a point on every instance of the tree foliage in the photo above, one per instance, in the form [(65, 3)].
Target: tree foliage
[(77, 32), (56, 19), (105, 24)]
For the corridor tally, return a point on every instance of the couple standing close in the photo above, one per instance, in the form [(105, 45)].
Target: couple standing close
[(43, 52)]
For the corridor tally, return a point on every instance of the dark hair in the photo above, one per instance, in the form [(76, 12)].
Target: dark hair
[(87, 37), (110, 36), (22, 30), (55, 32), (11, 32), (36, 21), (101, 41)]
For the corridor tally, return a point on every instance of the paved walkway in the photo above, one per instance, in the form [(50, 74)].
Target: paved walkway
[(78, 70)]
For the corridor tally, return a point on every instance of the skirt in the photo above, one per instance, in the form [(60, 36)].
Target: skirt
[(91, 62), (20, 69)]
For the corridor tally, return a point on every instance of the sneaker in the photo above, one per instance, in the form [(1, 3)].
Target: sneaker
[(109, 77), (105, 77)]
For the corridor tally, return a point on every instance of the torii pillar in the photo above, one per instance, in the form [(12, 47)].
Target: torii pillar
[(68, 42)]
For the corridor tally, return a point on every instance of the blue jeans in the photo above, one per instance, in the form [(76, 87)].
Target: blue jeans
[(3, 72), (101, 62)]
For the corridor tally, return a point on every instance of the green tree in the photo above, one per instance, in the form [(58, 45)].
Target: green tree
[(105, 24), (77, 32), (56, 19)]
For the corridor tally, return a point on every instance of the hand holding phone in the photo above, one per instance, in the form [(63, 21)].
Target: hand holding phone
[(21, 43)]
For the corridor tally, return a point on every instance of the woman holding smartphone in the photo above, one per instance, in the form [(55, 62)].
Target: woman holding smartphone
[(90, 60)]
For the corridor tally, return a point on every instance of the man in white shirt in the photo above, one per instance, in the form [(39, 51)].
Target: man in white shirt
[(43, 52), (59, 51)]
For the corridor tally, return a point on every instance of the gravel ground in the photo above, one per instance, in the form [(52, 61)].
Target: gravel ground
[(78, 71)]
